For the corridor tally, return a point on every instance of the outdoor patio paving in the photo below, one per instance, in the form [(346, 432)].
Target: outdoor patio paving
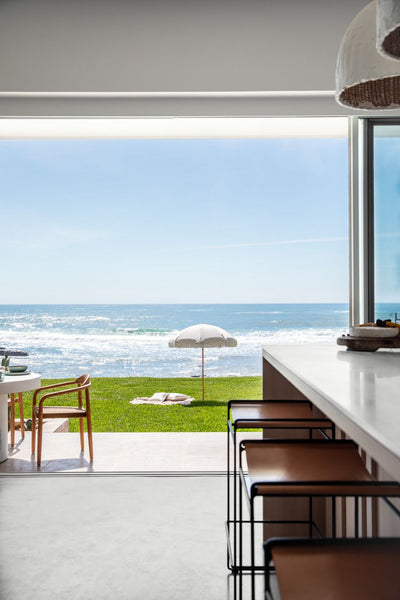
[(123, 452)]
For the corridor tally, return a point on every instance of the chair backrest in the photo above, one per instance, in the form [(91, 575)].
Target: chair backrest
[(83, 381)]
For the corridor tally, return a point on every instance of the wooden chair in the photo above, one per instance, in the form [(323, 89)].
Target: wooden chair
[(13, 400), (81, 411)]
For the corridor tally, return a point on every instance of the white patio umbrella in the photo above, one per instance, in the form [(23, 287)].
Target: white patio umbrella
[(202, 336)]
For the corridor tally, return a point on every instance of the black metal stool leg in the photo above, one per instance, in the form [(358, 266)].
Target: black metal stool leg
[(252, 551), (228, 486), (240, 532), (235, 493)]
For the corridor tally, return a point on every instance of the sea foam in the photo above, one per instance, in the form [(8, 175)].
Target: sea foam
[(132, 340)]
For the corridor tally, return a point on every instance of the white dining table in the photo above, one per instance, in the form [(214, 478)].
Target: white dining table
[(12, 384)]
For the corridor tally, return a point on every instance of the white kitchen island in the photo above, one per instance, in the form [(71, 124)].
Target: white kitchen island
[(358, 391)]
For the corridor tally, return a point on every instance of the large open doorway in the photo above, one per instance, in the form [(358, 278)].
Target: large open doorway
[(124, 241)]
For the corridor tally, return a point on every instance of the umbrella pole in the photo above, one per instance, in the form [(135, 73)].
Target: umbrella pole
[(202, 372)]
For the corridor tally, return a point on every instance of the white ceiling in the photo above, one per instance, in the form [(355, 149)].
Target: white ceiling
[(171, 45), (142, 49)]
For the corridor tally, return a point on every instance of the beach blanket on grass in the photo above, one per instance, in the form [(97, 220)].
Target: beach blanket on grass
[(164, 399)]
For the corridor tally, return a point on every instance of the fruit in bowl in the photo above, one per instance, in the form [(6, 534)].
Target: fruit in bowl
[(17, 368)]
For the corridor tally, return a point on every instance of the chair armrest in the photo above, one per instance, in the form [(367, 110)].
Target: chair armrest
[(48, 387), (54, 385), (57, 393)]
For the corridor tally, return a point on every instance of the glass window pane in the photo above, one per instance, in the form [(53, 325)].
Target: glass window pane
[(387, 221)]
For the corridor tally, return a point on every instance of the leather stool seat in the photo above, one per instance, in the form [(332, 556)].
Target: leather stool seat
[(275, 414), (350, 569), (310, 468)]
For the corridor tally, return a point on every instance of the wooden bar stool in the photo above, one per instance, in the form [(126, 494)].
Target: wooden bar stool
[(13, 400), (304, 468), (334, 569), (267, 415)]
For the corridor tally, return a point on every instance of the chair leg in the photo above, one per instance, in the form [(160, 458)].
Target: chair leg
[(90, 436), (33, 432), (39, 443), (81, 434), (21, 414), (12, 419)]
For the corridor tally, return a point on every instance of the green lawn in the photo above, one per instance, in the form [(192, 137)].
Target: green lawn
[(111, 410)]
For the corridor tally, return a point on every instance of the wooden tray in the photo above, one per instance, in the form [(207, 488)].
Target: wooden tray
[(368, 344)]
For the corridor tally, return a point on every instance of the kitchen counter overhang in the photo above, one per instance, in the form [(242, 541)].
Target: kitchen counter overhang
[(359, 391)]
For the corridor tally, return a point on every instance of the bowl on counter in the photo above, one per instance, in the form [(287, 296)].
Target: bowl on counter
[(17, 368), (373, 332)]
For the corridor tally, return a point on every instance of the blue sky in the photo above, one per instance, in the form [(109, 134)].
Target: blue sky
[(137, 221)]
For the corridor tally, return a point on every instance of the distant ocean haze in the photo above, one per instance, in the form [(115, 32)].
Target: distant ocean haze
[(113, 340)]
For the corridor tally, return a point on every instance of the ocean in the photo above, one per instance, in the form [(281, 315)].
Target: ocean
[(113, 340)]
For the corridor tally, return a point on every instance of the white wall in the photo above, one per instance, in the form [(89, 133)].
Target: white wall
[(170, 46)]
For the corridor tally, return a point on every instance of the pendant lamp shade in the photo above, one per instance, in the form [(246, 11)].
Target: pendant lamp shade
[(364, 78), (388, 28)]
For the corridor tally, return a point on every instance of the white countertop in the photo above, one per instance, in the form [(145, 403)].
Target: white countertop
[(359, 391)]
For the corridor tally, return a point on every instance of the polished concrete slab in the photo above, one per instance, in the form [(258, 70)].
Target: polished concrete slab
[(128, 537), (121, 452), (144, 520)]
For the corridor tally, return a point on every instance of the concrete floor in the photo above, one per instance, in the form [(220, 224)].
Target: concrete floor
[(105, 537), (144, 520)]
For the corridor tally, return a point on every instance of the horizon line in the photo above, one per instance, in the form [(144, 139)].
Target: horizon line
[(164, 303)]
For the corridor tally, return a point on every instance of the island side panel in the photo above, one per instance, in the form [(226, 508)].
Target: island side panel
[(276, 387)]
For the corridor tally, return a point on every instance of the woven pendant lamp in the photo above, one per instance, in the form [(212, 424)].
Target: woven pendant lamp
[(364, 78), (388, 28)]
